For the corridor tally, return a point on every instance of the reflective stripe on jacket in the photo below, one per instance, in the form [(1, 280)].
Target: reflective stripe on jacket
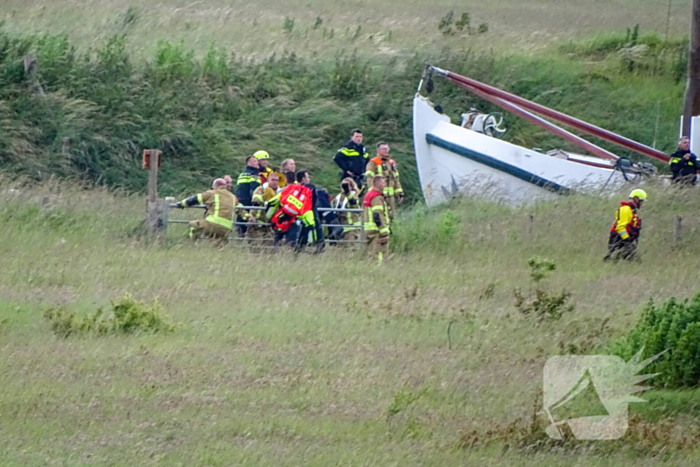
[(374, 203)]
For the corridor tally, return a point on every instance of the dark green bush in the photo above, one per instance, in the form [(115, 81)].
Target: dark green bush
[(126, 316), (673, 326)]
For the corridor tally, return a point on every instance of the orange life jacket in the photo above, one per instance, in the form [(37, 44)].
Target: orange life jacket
[(634, 226), (295, 201)]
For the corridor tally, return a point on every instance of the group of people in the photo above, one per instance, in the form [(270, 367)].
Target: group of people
[(284, 206)]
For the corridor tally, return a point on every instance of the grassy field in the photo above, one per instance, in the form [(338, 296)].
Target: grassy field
[(386, 27), (318, 360)]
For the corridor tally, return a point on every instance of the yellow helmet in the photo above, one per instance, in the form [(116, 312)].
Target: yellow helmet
[(261, 155), (638, 193)]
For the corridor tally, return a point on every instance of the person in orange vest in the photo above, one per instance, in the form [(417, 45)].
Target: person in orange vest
[(220, 204), (624, 234), (385, 166), (376, 220)]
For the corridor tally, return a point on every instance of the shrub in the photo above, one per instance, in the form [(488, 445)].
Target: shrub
[(673, 326), (126, 316), (544, 305), (349, 77)]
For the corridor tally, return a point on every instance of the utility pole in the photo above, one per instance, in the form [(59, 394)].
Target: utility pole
[(692, 90)]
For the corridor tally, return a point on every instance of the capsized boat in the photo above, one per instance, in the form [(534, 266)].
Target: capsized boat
[(470, 158)]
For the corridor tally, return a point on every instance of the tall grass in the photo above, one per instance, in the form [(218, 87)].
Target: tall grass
[(88, 115), (323, 358)]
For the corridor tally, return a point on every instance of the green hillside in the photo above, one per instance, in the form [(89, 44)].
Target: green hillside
[(88, 114)]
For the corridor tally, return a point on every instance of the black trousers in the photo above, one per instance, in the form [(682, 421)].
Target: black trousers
[(619, 248)]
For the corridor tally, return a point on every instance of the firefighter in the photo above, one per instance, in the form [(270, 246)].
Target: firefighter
[(352, 158), (220, 204), (261, 197), (385, 166), (265, 171), (624, 234), (247, 182), (684, 164), (376, 220), (294, 204), (349, 198)]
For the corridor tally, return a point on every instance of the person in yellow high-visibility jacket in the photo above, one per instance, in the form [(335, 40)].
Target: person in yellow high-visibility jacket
[(624, 234), (376, 220), (220, 204)]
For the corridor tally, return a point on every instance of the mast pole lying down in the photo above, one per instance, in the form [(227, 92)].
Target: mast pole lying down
[(554, 115), (542, 123)]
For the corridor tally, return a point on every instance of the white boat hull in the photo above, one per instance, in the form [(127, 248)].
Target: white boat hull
[(453, 160)]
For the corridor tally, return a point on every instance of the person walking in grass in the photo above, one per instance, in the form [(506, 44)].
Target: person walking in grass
[(624, 234)]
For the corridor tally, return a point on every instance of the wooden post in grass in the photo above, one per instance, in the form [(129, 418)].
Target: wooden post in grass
[(692, 89), (677, 230), (530, 225), (154, 206)]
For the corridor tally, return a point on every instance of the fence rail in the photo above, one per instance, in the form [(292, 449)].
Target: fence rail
[(168, 205)]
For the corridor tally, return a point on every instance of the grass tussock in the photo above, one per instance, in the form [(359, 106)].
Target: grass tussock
[(125, 316)]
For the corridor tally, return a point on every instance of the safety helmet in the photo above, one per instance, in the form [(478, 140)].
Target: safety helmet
[(261, 155), (638, 193)]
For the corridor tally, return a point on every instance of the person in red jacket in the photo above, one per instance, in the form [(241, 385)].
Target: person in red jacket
[(295, 202), (624, 234)]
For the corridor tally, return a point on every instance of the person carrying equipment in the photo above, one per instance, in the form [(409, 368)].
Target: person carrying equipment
[(220, 203), (385, 166), (349, 198), (624, 234), (352, 158), (376, 220), (295, 202)]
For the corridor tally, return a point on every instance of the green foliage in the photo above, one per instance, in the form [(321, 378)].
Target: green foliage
[(288, 25), (544, 305), (207, 114), (462, 24), (126, 316), (540, 268), (318, 23), (402, 400), (673, 326), (445, 24), (349, 78), (447, 227)]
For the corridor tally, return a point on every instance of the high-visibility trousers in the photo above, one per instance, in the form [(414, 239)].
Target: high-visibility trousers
[(204, 228), (377, 251)]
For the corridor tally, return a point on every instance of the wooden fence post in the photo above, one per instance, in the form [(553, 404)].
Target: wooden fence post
[(154, 207), (677, 230)]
